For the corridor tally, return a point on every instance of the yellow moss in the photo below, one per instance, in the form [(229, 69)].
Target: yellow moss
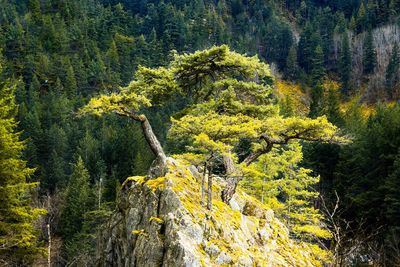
[(285, 251), (156, 183), (156, 219), (138, 232), (136, 179)]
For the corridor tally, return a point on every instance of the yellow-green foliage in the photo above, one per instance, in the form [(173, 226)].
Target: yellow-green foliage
[(232, 101), (222, 216), (18, 236), (156, 219), (136, 179), (156, 183), (139, 232), (153, 184)]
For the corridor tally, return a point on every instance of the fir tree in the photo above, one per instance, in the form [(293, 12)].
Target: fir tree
[(292, 67), (70, 82), (317, 97), (77, 199), (392, 71), (18, 236), (317, 66), (345, 66), (361, 19), (369, 54)]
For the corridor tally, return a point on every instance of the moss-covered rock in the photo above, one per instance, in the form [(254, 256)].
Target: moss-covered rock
[(161, 222)]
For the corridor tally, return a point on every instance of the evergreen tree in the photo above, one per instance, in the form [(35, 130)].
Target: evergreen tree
[(305, 48), (292, 67), (361, 18), (332, 107), (317, 98), (392, 70), (18, 236), (317, 66), (369, 54), (392, 198), (345, 66), (70, 82), (77, 200)]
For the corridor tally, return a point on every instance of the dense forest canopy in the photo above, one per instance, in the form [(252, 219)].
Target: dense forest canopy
[(332, 64)]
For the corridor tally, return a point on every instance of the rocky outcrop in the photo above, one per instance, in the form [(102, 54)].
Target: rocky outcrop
[(161, 223)]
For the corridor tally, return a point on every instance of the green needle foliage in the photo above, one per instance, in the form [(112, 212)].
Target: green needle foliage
[(18, 236), (229, 101)]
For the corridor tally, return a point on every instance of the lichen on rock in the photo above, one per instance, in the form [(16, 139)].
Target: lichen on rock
[(161, 222)]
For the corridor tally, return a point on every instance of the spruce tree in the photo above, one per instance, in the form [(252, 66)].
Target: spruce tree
[(70, 82), (392, 197), (317, 97), (317, 66), (392, 71), (345, 64), (18, 236), (77, 200), (305, 48), (292, 67), (369, 54), (361, 18)]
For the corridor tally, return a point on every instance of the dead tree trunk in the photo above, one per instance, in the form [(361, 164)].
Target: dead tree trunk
[(209, 193), (203, 184), (48, 225)]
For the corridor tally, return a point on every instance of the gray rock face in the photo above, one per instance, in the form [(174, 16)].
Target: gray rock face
[(137, 236), (161, 223)]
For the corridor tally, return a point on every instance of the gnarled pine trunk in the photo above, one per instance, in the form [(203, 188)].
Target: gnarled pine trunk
[(159, 166)]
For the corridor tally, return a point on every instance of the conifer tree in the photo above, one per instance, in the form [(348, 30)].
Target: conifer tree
[(317, 66), (292, 67), (345, 66), (317, 98), (224, 102), (77, 199), (361, 19), (392, 71), (113, 57), (369, 54), (70, 82), (392, 199), (18, 236), (305, 48)]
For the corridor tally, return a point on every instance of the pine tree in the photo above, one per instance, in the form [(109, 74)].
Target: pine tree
[(392, 197), (18, 236), (88, 149), (317, 66), (392, 71), (361, 19), (112, 57), (292, 67), (345, 66), (369, 54), (70, 82), (34, 7), (77, 200), (371, 15), (317, 98), (305, 48)]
